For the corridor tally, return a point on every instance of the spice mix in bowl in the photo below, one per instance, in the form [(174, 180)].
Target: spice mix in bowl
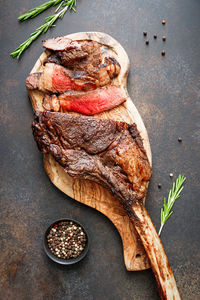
[(66, 241)]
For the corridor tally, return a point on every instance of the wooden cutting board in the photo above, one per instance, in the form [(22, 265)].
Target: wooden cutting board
[(88, 192)]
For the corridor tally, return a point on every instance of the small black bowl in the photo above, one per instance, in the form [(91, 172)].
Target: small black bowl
[(62, 261)]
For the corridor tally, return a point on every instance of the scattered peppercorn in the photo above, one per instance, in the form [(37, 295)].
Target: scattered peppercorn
[(66, 240), (171, 175), (155, 36), (145, 33), (147, 42), (159, 185), (164, 38), (180, 139), (163, 22), (163, 52)]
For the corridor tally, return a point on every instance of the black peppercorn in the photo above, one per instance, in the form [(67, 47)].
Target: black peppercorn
[(159, 185), (145, 33), (155, 36), (163, 52), (164, 38), (147, 42), (180, 139)]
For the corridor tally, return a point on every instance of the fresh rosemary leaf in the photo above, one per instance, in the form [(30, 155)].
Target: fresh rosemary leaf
[(174, 194), (32, 13), (57, 9), (49, 22)]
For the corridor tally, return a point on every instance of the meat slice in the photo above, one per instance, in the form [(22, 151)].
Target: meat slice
[(84, 56), (72, 57), (57, 79), (88, 53), (93, 102), (83, 60), (75, 54), (111, 154), (102, 74), (87, 103), (60, 44)]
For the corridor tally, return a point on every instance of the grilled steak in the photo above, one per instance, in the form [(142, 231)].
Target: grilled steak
[(93, 57), (71, 53), (57, 79), (93, 102), (104, 72), (111, 154), (73, 70), (72, 57), (87, 103), (84, 56), (60, 44), (105, 151)]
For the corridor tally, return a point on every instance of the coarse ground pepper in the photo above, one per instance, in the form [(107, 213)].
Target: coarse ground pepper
[(66, 239)]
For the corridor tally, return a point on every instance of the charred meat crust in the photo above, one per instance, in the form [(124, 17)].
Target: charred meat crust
[(77, 132), (53, 58), (90, 148)]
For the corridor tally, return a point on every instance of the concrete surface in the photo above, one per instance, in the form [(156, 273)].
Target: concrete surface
[(165, 91)]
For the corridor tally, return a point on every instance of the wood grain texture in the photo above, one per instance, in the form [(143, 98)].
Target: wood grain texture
[(88, 192)]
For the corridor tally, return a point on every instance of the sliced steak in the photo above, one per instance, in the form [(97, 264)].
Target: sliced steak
[(57, 79), (60, 44), (82, 56), (75, 54), (93, 102), (90, 54), (72, 57)]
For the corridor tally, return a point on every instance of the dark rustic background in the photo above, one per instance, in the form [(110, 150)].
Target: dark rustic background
[(165, 91)]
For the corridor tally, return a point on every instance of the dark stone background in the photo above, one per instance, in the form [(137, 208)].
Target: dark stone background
[(165, 91)]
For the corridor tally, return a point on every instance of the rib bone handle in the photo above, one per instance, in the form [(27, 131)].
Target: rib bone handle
[(159, 262)]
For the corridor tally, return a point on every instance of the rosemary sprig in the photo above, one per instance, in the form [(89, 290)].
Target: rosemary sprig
[(174, 194), (49, 22), (38, 10)]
